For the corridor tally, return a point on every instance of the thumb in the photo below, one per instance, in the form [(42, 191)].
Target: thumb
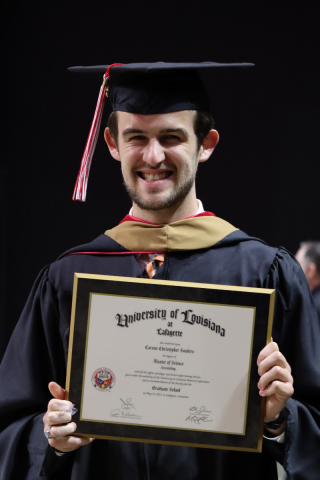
[(57, 391)]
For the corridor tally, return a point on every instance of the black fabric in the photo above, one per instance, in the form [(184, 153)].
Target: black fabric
[(151, 88), (316, 299), (37, 354)]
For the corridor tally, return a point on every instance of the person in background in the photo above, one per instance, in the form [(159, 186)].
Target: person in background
[(308, 256)]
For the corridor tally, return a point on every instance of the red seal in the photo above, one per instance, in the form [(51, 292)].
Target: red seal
[(103, 379)]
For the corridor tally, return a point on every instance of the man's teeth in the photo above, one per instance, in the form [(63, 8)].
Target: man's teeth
[(151, 177)]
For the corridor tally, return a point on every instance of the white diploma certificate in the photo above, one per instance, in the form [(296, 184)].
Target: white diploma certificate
[(167, 364)]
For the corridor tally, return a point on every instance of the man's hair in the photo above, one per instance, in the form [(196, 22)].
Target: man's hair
[(112, 124), (203, 123), (312, 252)]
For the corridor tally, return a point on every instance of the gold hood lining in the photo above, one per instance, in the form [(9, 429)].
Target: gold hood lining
[(189, 234)]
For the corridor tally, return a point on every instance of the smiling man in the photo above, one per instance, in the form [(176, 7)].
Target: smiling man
[(160, 131)]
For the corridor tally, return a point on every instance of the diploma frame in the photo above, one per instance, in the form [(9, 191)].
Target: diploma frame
[(259, 299)]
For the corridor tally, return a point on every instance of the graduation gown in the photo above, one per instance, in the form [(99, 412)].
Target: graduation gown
[(37, 354), (316, 299)]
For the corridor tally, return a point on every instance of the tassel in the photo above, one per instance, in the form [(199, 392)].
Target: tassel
[(80, 189)]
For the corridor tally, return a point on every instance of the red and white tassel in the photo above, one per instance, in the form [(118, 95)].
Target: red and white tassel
[(80, 189)]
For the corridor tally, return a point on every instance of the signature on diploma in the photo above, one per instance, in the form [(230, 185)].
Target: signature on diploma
[(125, 410), (198, 415)]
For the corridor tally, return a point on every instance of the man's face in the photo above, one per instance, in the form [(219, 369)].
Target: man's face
[(159, 157)]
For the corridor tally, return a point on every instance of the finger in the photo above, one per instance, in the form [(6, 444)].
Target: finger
[(57, 391), (59, 405), (57, 417), (276, 373), (275, 358), (282, 391), (266, 351), (64, 430), (68, 444), (60, 408)]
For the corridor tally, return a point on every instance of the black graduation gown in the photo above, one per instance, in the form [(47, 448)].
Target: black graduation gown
[(316, 299), (37, 354)]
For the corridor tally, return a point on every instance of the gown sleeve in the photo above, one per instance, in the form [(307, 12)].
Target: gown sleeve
[(296, 329), (34, 357)]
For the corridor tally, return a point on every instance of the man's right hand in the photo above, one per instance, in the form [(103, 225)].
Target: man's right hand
[(60, 422)]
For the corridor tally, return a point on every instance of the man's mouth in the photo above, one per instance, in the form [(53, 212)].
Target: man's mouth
[(152, 177)]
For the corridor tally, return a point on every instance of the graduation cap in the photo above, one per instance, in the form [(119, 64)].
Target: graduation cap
[(145, 89)]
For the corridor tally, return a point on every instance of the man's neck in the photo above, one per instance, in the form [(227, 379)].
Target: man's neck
[(168, 215)]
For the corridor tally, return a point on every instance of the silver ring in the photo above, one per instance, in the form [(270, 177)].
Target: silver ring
[(47, 434)]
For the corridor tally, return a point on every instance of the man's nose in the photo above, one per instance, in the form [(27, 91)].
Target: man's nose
[(153, 153)]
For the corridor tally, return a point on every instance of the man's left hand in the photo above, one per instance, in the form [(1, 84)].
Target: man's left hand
[(276, 382)]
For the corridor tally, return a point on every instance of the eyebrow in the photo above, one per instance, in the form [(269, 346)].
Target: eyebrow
[(130, 131)]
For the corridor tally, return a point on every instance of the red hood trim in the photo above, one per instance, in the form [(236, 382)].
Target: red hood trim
[(203, 214), (131, 218)]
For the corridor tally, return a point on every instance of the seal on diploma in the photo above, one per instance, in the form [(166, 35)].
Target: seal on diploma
[(103, 379)]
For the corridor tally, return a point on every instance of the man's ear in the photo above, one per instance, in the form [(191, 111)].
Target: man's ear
[(208, 145), (112, 144)]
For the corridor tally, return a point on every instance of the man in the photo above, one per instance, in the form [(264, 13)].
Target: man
[(308, 256), (160, 132)]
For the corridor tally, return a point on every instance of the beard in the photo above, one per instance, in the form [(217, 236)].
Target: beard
[(178, 193)]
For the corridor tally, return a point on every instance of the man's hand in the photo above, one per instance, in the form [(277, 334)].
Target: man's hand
[(276, 382), (60, 422)]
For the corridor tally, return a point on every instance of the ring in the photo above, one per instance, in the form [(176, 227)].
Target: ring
[(47, 434)]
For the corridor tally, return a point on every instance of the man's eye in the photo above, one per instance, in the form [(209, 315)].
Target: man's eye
[(138, 137), (172, 137)]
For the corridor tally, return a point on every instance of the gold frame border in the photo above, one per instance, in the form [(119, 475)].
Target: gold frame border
[(159, 442), (71, 332), (174, 283)]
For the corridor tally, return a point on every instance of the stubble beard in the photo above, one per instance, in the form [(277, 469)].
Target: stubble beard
[(177, 194)]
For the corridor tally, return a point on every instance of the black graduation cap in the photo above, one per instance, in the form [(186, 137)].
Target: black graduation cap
[(145, 89)]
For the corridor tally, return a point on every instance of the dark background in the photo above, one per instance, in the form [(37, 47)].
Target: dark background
[(263, 176)]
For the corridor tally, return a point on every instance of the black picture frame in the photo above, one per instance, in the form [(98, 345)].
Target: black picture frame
[(260, 299)]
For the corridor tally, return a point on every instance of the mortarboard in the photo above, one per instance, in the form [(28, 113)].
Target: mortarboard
[(145, 89)]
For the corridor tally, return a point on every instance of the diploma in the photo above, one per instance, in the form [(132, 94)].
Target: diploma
[(168, 362)]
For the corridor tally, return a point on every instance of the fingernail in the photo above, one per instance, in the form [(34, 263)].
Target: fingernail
[(73, 409), (262, 393), (259, 385)]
